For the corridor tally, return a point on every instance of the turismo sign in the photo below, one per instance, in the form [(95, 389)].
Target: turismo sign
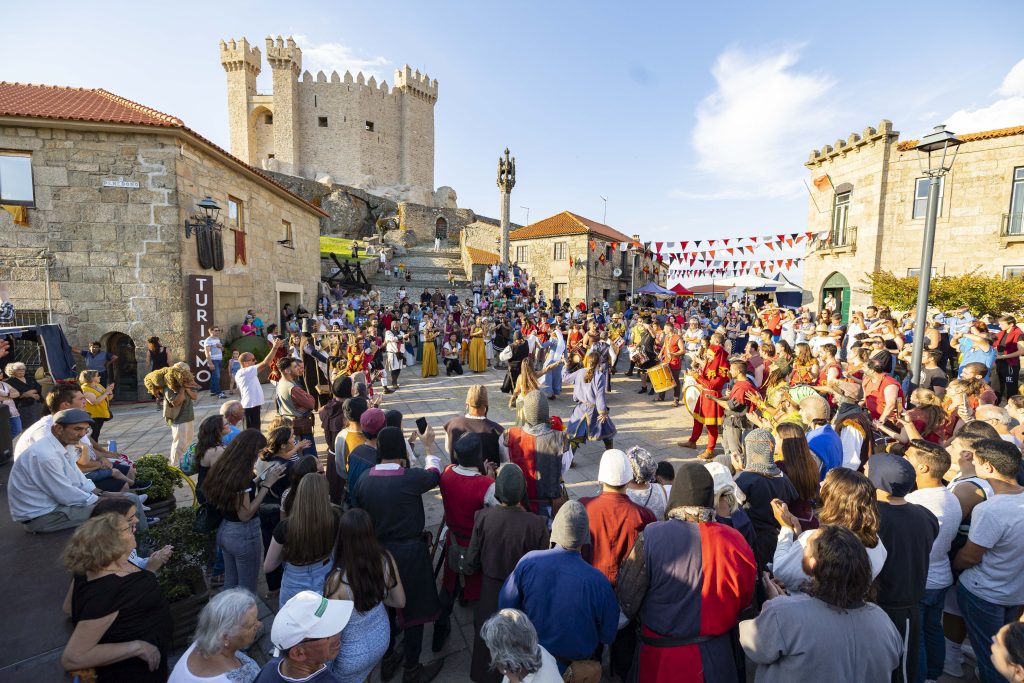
[(200, 319)]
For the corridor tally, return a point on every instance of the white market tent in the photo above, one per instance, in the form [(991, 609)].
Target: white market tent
[(747, 282)]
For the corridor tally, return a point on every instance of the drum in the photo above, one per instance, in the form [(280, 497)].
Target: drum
[(637, 355), (661, 378), (691, 393)]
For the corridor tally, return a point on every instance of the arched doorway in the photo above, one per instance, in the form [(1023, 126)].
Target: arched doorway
[(441, 228), (838, 286), (126, 377)]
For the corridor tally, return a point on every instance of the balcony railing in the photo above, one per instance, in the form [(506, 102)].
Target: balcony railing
[(1012, 225), (838, 241)]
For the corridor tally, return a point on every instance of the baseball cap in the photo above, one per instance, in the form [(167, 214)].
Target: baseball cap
[(615, 469), (72, 416), (372, 421), (309, 615)]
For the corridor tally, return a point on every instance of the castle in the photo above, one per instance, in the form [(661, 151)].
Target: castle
[(336, 129)]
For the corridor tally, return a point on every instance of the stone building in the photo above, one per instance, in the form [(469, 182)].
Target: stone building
[(575, 257), (100, 188), (351, 130), (875, 214)]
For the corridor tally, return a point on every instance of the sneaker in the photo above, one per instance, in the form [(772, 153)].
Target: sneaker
[(141, 485), (222, 395), (152, 520), (143, 497), (146, 508)]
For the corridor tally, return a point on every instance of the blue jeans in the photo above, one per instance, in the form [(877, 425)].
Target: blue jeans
[(308, 577), (311, 448), (933, 643), (243, 553), (15, 426), (215, 377), (984, 619)]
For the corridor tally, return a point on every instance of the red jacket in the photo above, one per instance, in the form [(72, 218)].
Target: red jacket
[(615, 522)]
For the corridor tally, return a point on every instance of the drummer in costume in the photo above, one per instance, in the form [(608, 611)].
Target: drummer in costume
[(589, 420), (712, 376), (616, 339), (672, 351), (393, 497), (643, 354)]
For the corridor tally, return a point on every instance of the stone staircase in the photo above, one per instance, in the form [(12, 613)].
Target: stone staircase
[(429, 269)]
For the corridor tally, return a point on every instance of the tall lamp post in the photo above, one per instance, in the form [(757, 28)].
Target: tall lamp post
[(933, 149), (632, 267)]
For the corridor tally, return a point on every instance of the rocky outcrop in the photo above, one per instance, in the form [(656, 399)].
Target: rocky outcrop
[(353, 211)]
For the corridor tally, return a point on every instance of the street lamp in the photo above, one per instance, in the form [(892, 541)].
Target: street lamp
[(932, 150), (632, 266), (209, 241)]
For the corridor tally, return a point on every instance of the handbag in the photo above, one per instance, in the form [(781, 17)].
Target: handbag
[(303, 424), (455, 553), (506, 354), (172, 412), (208, 519)]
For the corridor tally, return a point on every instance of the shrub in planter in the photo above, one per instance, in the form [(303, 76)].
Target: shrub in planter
[(182, 578), (164, 479)]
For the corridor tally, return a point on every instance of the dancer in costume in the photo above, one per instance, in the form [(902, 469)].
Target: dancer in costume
[(713, 375)]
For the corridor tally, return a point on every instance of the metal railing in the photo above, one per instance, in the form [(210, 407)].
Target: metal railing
[(844, 238), (1012, 225)]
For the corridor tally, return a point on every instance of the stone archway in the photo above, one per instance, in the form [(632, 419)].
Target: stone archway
[(125, 370), (838, 286)]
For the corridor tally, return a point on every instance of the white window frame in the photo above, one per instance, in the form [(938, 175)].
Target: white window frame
[(1015, 219), (558, 253), (17, 169), (840, 218), (1013, 272), (523, 254), (918, 184)]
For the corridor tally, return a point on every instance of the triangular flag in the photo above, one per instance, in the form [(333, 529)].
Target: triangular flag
[(770, 245), (730, 250), (725, 241), (657, 246), (750, 248)]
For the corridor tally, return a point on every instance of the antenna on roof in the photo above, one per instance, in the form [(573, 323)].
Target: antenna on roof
[(604, 216)]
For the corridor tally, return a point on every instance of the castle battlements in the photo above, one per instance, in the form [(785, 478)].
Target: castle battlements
[(855, 141), (349, 127), (238, 56)]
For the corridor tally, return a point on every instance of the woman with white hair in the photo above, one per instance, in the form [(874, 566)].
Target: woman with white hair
[(644, 489), (228, 625), (515, 652)]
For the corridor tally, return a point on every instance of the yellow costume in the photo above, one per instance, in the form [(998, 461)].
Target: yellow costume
[(477, 352), (429, 354)]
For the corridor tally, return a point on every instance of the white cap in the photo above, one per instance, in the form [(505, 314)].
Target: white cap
[(309, 615), (615, 469)]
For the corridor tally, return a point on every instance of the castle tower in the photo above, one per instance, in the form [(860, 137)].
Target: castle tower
[(416, 116), (242, 64), (285, 60)]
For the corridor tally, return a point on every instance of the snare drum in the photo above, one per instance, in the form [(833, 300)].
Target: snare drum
[(691, 393), (661, 378)]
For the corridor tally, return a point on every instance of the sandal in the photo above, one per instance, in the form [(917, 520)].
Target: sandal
[(676, 403)]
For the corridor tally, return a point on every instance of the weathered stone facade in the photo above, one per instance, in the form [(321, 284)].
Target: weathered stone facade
[(348, 129), (586, 278), (882, 231), (109, 260)]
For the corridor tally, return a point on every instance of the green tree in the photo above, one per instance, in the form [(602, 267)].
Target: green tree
[(982, 293)]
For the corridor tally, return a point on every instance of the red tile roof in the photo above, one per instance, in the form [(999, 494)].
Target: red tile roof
[(970, 137), (568, 223), (99, 106), (479, 256), (77, 104)]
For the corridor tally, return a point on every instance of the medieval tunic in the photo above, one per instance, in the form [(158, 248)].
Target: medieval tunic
[(584, 424), (393, 496), (688, 583), (538, 451), (500, 538), (462, 495)]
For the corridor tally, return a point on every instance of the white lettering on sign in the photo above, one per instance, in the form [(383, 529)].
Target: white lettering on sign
[(200, 316), (121, 182)]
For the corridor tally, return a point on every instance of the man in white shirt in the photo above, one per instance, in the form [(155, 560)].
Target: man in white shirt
[(46, 491), (930, 463), (214, 349), (247, 379), (394, 354)]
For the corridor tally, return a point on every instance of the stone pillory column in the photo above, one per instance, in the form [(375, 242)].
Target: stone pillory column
[(506, 181)]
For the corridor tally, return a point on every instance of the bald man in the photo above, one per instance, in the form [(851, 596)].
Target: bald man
[(247, 379)]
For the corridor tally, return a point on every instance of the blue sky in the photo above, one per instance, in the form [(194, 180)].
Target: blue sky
[(693, 119)]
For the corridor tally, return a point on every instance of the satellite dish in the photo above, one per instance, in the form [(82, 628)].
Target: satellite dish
[(617, 272)]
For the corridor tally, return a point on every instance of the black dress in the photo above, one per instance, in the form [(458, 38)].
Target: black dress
[(142, 614), (30, 408)]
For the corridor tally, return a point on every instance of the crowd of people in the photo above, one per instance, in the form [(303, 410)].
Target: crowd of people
[(853, 524)]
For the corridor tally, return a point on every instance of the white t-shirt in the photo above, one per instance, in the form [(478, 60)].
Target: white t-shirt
[(181, 674), (547, 673), (946, 508), (998, 524), (248, 381), (787, 564), (215, 346)]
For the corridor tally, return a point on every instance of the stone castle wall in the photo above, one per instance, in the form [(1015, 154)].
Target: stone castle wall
[(352, 129), (975, 197)]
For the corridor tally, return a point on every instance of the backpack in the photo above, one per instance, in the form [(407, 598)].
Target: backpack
[(189, 462)]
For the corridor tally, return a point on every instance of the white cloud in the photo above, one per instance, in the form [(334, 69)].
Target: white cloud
[(1003, 113), (338, 57), (761, 113)]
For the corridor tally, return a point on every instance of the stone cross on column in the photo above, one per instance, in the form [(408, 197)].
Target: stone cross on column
[(506, 181)]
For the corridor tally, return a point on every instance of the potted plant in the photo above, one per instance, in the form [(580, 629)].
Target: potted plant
[(182, 579), (163, 480)]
